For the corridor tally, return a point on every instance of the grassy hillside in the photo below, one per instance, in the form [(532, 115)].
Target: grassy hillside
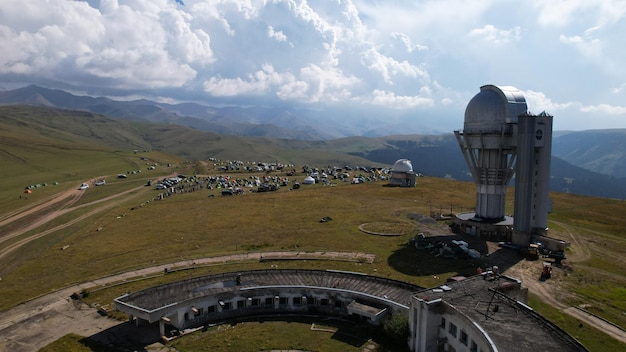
[(199, 145), (139, 232), (56, 149), (27, 127), (602, 151), (134, 230)]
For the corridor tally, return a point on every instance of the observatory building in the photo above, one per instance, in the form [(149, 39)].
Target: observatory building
[(502, 139), (402, 174)]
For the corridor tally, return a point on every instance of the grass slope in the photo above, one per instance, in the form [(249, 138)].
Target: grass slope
[(136, 232), (59, 149)]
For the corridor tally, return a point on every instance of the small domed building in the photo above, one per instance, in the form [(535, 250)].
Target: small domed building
[(402, 174)]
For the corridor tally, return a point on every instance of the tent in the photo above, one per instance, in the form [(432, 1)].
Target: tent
[(308, 180)]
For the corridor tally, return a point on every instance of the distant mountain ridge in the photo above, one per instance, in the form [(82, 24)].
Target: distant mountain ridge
[(603, 151), (600, 151), (240, 121)]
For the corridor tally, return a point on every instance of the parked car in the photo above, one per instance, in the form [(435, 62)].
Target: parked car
[(83, 186), (122, 176), (100, 183)]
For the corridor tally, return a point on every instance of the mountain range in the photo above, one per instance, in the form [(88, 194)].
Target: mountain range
[(584, 162), (277, 122)]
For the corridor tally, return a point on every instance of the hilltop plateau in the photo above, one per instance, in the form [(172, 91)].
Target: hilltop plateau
[(57, 236)]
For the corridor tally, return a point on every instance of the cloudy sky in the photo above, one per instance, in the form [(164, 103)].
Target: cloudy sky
[(415, 58)]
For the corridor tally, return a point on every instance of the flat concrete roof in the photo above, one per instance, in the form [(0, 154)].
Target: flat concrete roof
[(512, 326), (365, 309), (508, 220), (157, 297)]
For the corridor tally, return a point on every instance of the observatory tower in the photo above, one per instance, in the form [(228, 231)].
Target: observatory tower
[(501, 139)]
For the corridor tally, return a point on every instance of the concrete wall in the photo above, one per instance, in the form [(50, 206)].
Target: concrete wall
[(435, 324), (260, 301)]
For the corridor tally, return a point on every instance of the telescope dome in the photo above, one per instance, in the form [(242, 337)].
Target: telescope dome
[(402, 165), (492, 108)]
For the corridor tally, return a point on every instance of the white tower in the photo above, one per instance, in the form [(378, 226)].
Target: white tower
[(532, 176), (501, 139)]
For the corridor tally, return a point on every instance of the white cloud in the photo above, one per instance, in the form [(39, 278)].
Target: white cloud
[(446, 101), (185, 43), (491, 34), (391, 100), (388, 67), (255, 84), (327, 85), (150, 45), (314, 84), (576, 39), (406, 41), (605, 109), (538, 101), (559, 13), (568, 55), (620, 89), (279, 36), (563, 13)]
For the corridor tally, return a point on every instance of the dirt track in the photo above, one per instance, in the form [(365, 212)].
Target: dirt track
[(36, 323)]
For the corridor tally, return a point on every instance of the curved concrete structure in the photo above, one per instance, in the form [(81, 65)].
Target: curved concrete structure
[(216, 298), (485, 312)]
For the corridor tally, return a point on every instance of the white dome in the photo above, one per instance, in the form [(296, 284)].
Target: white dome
[(309, 180), (402, 165), (489, 110)]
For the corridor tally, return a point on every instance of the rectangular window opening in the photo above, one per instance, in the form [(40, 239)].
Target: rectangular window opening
[(452, 329), (463, 338)]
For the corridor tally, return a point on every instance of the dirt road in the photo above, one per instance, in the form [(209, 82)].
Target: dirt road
[(46, 211), (552, 292)]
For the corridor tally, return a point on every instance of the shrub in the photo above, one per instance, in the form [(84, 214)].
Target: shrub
[(397, 327)]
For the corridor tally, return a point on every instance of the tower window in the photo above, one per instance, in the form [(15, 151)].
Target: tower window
[(463, 338), (452, 329), (473, 347)]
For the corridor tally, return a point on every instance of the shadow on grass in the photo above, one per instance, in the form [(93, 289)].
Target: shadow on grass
[(348, 330), (96, 346), (350, 336), (424, 262), (123, 337)]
